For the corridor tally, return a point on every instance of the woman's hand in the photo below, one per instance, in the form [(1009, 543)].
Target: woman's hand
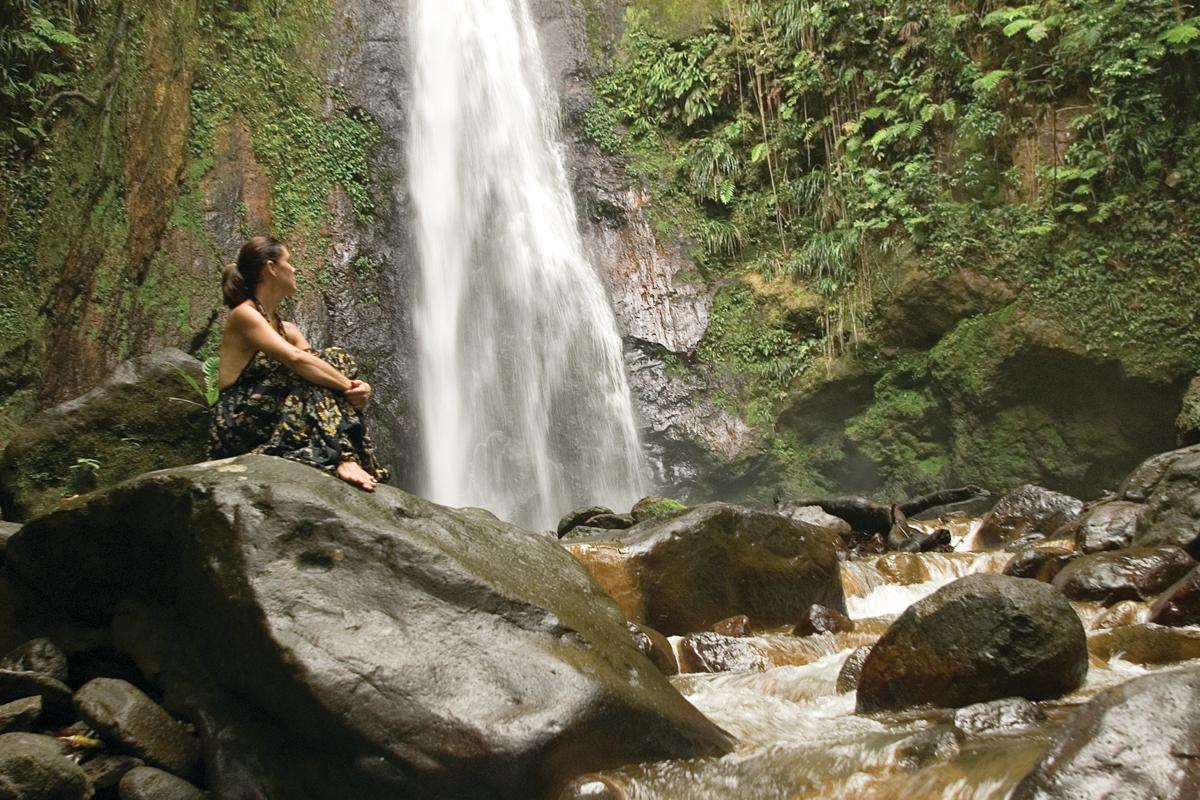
[(359, 394)]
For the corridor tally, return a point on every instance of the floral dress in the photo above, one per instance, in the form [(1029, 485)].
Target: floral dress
[(272, 411)]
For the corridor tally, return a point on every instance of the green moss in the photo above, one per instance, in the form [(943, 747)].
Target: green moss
[(678, 18)]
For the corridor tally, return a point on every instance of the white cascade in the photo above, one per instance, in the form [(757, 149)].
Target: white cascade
[(525, 409)]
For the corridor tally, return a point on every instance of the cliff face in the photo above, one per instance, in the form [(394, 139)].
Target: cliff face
[(222, 119), (1001, 333)]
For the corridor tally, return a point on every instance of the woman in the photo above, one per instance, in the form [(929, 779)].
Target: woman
[(278, 396)]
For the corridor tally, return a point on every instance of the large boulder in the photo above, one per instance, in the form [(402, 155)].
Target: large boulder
[(145, 417), (1172, 512), (33, 767), (982, 637), (1104, 526), (1135, 740), (333, 643), (1140, 484), (1135, 573), (130, 721), (686, 573), (1029, 509)]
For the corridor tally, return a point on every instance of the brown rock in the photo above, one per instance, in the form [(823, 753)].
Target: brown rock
[(1179, 604), (982, 637), (1106, 526), (734, 626), (686, 573), (819, 619), (129, 720), (1146, 644), (1038, 563), (1029, 509), (1136, 573), (656, 647)]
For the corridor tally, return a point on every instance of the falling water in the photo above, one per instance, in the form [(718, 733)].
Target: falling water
[(525, 409)]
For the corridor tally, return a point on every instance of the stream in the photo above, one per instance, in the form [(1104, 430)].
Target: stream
[(799, 739)]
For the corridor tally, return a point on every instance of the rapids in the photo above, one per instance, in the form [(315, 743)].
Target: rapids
[(801, 740)]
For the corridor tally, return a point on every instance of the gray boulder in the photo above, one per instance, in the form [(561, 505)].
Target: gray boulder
[(1135, 740), (1135, 573), (1140, 484), (687, 572), (147, 783), (37, 655), (124, 427), (573, 519), (1104, 526), (33, 767), (997, 715), (332, 643), (1172, 513), (20, 715), (1029, 509), (131, 722), (16, 685), (981, 638), (106, 770)]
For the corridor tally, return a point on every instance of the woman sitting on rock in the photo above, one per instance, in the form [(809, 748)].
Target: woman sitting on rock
[(278, 396)]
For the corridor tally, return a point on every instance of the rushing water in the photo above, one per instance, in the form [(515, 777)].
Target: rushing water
[(525, 409), (799, 739)]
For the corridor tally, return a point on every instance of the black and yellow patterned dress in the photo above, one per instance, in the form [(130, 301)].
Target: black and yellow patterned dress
[(272, 411)]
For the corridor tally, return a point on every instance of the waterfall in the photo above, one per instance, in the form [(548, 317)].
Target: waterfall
[(525, 409)]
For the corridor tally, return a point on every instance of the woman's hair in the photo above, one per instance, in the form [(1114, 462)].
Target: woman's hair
[(241, 278)]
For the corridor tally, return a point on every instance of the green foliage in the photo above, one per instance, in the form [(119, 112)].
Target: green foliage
[(258, 65), (41, 51)]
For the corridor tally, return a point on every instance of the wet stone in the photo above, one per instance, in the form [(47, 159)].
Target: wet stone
[(1107, 526), (1146, 644), (610, 522), (592, 787), (997, 715), (847, 679), (1029, 509), (1136, 573), (37, 655), (125, 717), (819, 619), (56, 695), (931, 746), (1115, 616), (33, 767), (577, 517), (1179, 604), (1038, 563), (654, 646), (738, 625), (20, 715), (1135, 740), (106, 770), (655, 506), (148, 783)]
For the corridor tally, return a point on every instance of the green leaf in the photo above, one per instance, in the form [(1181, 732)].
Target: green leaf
[(991, 80), (725, 195), (1038, 32), (1183, 33), (1016, 26), (758, 153)]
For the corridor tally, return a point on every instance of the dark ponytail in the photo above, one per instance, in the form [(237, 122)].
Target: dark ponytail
[(240, 279)]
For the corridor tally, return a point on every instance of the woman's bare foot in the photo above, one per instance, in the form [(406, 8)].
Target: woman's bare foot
[(353, 474)]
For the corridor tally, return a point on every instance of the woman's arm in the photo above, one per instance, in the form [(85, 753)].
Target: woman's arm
[(295, 336), (246, 322)]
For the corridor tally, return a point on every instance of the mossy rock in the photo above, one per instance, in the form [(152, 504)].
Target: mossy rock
[(655, 506), (145, 417)]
